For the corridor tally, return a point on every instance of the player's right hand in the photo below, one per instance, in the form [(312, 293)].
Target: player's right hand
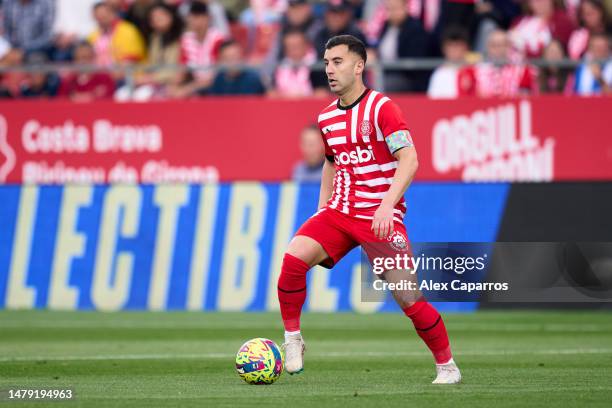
[(382, 224)]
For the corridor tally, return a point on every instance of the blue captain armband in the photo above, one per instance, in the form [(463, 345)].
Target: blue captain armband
[(398, 140)]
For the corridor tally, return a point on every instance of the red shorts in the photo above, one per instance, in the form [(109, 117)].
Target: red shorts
[(338, 233)]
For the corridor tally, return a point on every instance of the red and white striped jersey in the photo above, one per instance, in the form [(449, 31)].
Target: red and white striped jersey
[(355, 136)]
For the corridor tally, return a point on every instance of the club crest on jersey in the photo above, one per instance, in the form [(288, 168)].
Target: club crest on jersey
[(365, 128), (397, 241)]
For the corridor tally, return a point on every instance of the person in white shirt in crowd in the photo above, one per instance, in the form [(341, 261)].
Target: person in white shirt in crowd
[(444, 83), (73, 22)]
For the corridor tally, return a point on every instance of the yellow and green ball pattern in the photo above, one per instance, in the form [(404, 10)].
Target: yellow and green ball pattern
[(259, 361)]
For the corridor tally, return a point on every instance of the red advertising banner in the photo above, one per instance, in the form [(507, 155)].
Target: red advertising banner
[(224, 139)]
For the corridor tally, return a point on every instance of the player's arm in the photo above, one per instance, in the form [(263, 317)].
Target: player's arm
[(407, 165), (327, 182)]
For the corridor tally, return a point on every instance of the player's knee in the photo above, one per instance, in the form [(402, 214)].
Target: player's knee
[(406, 298), (306, 249), (405, 303)]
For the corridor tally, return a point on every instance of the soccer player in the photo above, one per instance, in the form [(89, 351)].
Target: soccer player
[(371, 160)]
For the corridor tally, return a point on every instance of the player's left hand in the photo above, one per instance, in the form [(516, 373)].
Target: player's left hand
[(382, 224)]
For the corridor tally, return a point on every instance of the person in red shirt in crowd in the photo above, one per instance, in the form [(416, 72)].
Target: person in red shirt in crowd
[(86, 86), (199, 48), (593, 18), (546, 19), (498, 75)]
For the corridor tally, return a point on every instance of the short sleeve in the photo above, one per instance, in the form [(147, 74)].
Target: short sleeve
[(390, 119)]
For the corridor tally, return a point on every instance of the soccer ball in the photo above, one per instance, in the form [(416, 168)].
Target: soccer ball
[(259, 361)]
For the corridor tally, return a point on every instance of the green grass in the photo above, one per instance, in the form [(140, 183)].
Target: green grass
[(186, 359)]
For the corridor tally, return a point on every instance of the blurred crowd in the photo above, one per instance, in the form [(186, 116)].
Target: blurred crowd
[(162, 49)]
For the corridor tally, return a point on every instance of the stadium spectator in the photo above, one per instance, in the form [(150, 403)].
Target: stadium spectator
[(552, 78), (216, 10), (39, 84), (233, 79), (338, 20), (28, 24), (199, 49), (593, 18), (456, 13), (546, 19), (120, 6), (263, 12), (292, 77), (115, 40), (310, 168), (444, 83), (138, 14), (594, 75), (10, 81), (402, 37), (73, 22), (490, 16), (299, 16), (498, 75), (86, 86), (5, 47), (165, 28)]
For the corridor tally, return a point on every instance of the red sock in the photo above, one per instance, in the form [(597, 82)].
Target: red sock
[(430, 327), (292, 291)]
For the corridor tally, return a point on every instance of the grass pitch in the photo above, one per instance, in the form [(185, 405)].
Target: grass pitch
[(550, 359)]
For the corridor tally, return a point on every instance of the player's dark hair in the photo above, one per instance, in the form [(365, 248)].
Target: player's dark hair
[(354, 44)]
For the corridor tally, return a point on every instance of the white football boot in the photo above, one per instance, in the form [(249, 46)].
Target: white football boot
[(294, 353), (447, 373)]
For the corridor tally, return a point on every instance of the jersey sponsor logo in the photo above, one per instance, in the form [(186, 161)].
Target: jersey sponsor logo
[(365, 128), (355, 156)]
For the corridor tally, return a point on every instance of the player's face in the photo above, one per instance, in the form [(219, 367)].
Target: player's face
[(342, 68)]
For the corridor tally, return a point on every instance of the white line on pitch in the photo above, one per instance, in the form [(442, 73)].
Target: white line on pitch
[(204, 356)]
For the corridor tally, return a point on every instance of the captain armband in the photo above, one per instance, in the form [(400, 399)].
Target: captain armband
[(398, 140)]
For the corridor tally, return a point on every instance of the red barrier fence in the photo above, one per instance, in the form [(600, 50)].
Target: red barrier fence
[(538, 139)]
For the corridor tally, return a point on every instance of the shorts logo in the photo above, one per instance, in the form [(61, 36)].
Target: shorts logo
[(397, 241), (365, 128)]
